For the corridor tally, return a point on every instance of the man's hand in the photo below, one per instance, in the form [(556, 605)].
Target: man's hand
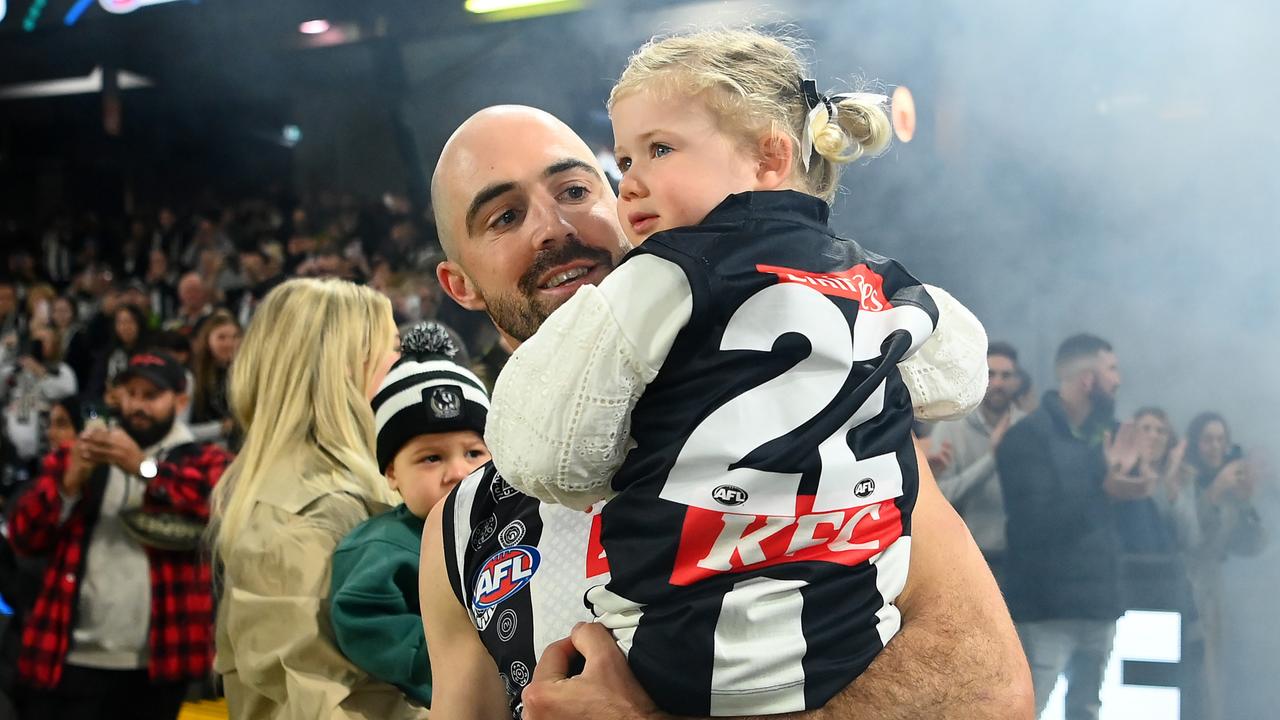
[(1122, 455), (941, 460), (113, 447), (79, 468), (605, 689), (33, 366), (1121, 449), (997, 432)]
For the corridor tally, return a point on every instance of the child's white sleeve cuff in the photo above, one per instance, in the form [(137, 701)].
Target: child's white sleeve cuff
[(947, 376), (559, 426)]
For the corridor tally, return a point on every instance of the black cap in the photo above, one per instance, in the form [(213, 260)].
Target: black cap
[(158, 367)]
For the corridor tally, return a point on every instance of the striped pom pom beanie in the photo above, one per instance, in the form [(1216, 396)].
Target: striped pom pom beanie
[(426, 392)]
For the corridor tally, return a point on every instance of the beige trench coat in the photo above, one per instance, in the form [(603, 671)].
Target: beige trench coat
[(275, 645)]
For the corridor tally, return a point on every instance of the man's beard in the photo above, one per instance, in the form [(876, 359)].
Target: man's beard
[(1104, 405), (997, 402), (146, 437), (520, 313)]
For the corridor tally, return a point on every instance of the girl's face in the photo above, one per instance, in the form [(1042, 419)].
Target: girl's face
[(1212, 444), (1153, 436), (127, 328), (677, 163), (63, 313), (60, 428), (224, 340)]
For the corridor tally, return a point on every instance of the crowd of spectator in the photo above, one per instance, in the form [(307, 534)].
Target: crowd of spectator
[(1079, 515), (78, 298), (1083, 516)]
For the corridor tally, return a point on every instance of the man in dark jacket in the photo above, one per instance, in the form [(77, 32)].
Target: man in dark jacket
[(1061, 468)]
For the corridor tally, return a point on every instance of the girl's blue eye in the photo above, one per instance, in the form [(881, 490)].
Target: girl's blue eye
[(659, 149)]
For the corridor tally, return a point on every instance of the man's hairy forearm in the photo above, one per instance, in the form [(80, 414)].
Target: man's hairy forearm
[(935, 667), (957, 654)]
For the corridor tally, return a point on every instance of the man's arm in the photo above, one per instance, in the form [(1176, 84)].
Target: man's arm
[(956, 656), (464, 681), (957, 482)]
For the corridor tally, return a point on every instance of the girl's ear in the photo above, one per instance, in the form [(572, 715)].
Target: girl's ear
[(774, 169)]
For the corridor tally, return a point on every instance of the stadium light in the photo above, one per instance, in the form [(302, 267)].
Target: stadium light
[(511, 9), (314, 27)]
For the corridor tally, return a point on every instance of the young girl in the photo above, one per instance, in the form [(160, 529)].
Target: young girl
[(735, 387)]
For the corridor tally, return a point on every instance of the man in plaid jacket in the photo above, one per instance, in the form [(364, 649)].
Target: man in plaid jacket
[(120, 624)]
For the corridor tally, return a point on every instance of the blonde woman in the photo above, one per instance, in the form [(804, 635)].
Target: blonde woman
[(305, 476)]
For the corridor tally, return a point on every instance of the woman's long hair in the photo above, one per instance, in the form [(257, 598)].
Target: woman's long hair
[(140, 318), (298, 388), (204, 368), (1194, 431)]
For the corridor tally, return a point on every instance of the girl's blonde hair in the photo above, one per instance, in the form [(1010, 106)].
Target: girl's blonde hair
[(299, 389), (752, 82)]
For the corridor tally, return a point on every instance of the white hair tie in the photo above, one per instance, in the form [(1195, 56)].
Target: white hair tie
[(816, 102)]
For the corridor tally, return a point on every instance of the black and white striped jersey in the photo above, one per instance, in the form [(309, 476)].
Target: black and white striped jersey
[(761, 530), (521, 568)]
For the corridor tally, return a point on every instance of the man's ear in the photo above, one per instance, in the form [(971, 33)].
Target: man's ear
[(458, 286), (181, 401), (775, 153)]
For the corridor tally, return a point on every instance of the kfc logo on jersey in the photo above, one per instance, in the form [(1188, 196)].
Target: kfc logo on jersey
[(859, 283), (597, 561), (730, 495), (504, 574), (713, 543)]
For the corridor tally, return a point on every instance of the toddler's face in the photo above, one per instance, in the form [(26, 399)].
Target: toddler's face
[(677, 163), (429, 465)]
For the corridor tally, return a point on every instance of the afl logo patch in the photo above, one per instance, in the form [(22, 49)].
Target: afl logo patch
[(445, 402), (864, 488), (504, 574), (730, 495)]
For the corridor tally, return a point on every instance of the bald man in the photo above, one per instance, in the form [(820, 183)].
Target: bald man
[(526, 218)]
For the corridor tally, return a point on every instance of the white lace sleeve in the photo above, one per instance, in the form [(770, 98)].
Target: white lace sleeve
[(947, 376), (559, 425)]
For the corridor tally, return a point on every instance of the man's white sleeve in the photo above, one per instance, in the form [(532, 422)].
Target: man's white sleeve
[(559, 425), (947, 376)]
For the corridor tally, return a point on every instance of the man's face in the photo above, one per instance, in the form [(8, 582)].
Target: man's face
[(1002, 382), (530, 216), (158, 264), (146, 411), (1103, 383), (191, 293), (1107, 377), (8, 300), (252, 265)]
